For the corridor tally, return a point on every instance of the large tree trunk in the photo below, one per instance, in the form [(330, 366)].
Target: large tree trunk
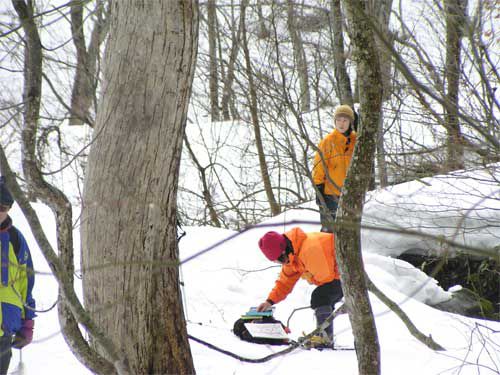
[(70, 311), (454, 12), (129, 246), (348, 222)]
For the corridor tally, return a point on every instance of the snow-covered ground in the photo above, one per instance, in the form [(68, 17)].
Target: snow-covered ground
[(463, 207), (223, 283)]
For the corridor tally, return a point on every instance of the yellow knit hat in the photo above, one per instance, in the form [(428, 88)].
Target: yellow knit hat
[(344, 110)]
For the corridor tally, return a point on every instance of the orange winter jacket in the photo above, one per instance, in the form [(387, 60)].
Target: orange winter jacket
[(313, 259), (337, 152)]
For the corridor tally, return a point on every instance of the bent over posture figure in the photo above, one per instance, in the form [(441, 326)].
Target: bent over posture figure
[(16, 283), (310, 256)]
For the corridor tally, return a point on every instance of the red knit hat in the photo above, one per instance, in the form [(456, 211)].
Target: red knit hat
[(272, 245)]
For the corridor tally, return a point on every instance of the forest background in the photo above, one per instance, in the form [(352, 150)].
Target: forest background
[(267, 78)]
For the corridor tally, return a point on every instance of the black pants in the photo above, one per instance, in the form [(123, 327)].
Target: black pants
[(327, 214), (327, 294), (5, 353)]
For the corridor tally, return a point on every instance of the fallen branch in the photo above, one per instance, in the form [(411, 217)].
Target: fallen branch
[(427, 340)]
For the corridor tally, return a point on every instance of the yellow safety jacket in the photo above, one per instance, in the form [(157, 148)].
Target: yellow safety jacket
[(16, 280)]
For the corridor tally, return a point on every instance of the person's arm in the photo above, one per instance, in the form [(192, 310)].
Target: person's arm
[(318, 171), (25, 261), (284, 285), (24, 335)]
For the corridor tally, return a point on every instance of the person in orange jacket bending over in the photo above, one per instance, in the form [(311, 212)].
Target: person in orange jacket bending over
[(310, 256)]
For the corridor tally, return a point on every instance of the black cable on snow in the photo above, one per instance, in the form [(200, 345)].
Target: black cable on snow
[(294, 345)]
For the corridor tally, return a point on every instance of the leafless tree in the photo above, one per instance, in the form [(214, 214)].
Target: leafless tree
[(275, 209), (71, 312), (212, 58), (256, 67), (129, 213), (455, 15), (300, 60), (348, 236), (342, 78), (207, 196), (429, 79), (87, 58)]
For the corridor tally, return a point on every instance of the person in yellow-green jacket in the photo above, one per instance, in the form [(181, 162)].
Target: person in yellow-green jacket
[(17, 306), (331, 163)]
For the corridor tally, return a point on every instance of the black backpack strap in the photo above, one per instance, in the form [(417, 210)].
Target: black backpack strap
[(14, 239)]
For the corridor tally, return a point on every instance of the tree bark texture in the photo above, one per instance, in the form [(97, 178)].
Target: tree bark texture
[(129, 246), (81, 97), (454, 13), (339, 60), (381, 11), (299, 57), (212, 58), (70, 311), (348, 233), (263, 30), (85, 81), (381, 163), (227, 90)]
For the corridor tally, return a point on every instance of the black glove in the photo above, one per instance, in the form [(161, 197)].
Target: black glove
[(321, 190)]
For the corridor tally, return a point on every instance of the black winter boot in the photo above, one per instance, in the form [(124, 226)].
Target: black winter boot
[(322, 313)]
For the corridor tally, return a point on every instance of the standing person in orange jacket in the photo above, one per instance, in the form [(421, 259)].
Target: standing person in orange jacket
[(331, 163), (310, 256)]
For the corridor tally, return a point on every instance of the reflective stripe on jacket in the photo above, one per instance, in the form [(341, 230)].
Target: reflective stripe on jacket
[(313, 259), (337, 151), (16, 283)]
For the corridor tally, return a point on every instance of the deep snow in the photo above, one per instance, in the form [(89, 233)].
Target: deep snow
[(223, 283)]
